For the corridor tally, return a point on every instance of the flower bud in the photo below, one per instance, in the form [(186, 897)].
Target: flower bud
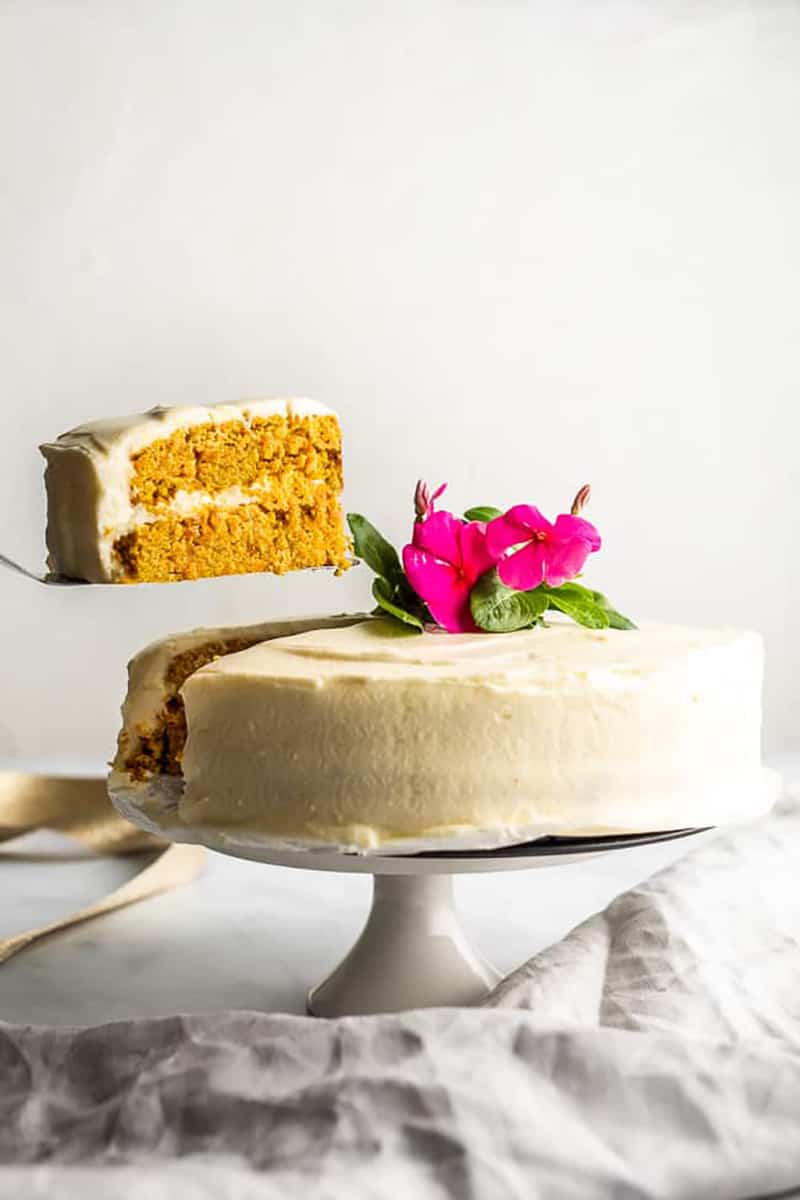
[(581, 500), (424, 501)]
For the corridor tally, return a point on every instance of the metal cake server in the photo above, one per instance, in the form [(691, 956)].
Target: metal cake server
[(64, 581), (51, 580)]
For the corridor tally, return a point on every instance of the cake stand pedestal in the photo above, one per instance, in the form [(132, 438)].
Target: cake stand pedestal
[(412, 951)]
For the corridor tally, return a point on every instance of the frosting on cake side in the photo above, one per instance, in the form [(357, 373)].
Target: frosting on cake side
[(367, 734)]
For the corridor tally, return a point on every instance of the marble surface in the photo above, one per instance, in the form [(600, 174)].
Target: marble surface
[(245, 935)]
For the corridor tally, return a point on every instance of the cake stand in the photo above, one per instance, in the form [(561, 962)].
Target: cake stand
[(412, 951)]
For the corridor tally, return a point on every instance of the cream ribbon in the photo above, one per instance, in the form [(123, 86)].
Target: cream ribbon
[(82, 809)]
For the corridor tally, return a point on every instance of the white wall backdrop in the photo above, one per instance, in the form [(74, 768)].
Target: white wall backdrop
[(519, 245)]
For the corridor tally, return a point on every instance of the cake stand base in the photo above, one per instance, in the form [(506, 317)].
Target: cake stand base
[(412, 953)]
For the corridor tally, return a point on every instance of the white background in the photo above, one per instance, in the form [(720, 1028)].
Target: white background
[(518, 245)]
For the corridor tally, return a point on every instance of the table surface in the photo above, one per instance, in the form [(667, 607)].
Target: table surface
[(249, 936)]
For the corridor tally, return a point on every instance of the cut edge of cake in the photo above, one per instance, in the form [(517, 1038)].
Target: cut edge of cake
[(153, 731)]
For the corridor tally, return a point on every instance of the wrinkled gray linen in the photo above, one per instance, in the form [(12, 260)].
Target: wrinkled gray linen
[(654, 1052)]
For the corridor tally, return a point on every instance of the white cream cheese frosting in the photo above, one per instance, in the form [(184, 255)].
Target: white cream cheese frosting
[(89, 473), (365, 735)]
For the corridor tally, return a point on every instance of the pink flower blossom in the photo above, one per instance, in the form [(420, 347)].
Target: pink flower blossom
[(443, 561), (539, 551)]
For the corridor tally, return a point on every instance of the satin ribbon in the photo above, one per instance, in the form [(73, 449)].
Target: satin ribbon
[(81, 808)]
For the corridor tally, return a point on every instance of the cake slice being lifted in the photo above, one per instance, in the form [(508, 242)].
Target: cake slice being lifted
[(190, 492)]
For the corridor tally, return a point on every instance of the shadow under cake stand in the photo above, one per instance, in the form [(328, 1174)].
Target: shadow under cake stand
[(412, 951)]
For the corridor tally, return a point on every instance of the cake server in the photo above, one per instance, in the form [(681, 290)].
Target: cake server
[(52, 580), (64, 581)]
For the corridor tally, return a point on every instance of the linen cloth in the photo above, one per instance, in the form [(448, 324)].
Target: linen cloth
[(82, 809), (654, 1052)]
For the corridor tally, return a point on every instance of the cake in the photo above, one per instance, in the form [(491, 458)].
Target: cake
[(364, 734), (188, 492), (490, 699)]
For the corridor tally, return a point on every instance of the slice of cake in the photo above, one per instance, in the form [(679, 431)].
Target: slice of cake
[(183, 493), (153, 734), (367, 735)]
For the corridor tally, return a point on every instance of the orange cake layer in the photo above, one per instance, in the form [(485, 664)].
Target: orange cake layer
[(234, 541), (210, 458), (184, 493)]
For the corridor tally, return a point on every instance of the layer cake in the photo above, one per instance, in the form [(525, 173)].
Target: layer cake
[(363, 734)]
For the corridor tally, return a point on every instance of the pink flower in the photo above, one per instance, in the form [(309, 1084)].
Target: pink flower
[(550, 553), (443, 562)]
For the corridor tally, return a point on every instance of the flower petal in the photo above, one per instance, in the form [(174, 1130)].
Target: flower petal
[(440, 535), (529, 517), (567, 527), (428, 576), (515, 527), (564, 560), (476, 558), (454, 613), (443, 589), (525, 569)]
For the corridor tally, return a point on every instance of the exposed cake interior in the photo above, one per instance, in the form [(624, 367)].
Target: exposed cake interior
[(153, 733), (212, 458), (158, 744)]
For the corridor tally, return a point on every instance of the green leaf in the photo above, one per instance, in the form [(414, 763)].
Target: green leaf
[(579, 594), (500, 609), (615, 619), (576, 591), (483, 512), (581, 608), (382, 592), (376, 552)]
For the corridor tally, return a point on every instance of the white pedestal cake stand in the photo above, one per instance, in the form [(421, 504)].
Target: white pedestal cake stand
[(412, 952)]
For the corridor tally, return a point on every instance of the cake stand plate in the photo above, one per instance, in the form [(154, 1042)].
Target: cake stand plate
[(412, 951)]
